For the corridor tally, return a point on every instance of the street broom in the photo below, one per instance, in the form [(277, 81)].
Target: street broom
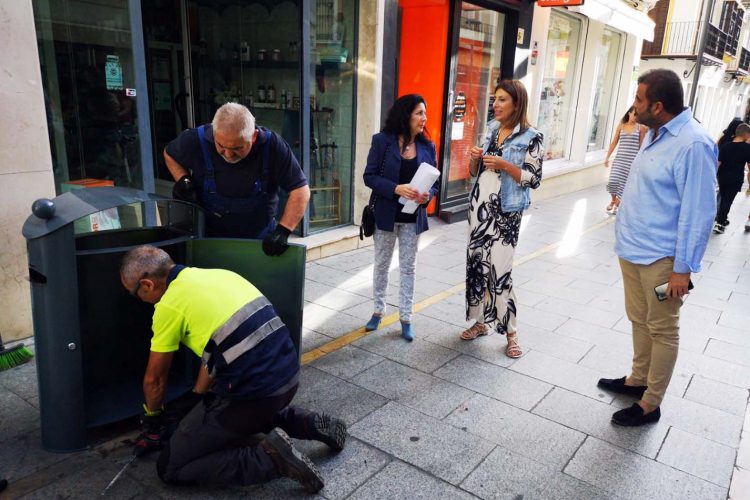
[(13, 356)]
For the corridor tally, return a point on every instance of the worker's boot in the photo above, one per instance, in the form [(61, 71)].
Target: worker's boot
[(290, 462), (330, 431)]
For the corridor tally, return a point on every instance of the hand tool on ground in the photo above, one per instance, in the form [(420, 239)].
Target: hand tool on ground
[(117, 476)]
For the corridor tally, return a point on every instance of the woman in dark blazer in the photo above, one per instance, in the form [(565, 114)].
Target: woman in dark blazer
[(394, 157)]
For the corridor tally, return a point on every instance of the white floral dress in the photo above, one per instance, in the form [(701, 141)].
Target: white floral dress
[(493, 236)]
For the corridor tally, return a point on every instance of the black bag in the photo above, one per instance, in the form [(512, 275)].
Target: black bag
[(368, 222), (368, 213)]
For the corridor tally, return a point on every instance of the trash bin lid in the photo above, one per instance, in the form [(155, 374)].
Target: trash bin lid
[(82, 202)]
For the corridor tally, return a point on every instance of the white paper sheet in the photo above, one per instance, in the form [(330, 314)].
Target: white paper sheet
[(422, 181)]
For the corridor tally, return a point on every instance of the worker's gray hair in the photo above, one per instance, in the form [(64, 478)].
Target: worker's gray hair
[(236, 119), (145, 259)]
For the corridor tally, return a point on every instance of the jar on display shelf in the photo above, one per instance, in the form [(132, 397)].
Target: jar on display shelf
[(276, 55), (293, 51), (271, 94), (261, 55), (261, 93)]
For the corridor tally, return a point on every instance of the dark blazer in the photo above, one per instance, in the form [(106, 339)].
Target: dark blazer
[(383, 188)]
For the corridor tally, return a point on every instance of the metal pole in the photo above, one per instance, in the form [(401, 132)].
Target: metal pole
[(141, 86), (707, 11)]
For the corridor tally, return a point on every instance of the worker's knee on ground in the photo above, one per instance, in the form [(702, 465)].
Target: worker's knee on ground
[(168, 472), (162, 465)]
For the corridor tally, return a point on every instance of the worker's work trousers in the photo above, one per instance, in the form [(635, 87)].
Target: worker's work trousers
[(211, 444), (655, 326)]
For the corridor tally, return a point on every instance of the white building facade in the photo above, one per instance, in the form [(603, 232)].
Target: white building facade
[(723, 85), (583, 63)]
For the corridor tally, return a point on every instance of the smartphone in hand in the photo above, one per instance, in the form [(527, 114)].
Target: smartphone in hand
[(661, 290)]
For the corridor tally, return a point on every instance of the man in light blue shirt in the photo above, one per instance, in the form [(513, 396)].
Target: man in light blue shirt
[(661, 231)]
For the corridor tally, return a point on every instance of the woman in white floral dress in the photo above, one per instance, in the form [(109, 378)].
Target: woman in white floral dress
[(508, 165)]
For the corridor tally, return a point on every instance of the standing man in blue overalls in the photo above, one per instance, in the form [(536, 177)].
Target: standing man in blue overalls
[(234, 169)]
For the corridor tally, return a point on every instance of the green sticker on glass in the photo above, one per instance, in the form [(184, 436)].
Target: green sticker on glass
[(113, 73)]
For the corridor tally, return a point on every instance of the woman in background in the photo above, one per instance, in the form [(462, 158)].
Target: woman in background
[(629, 135)]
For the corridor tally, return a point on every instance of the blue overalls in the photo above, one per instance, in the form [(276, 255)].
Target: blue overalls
[(236, 217)]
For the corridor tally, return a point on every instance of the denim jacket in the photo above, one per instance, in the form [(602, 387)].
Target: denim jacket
[(524, 150)]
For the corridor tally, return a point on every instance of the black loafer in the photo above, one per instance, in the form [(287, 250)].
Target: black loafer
[(618, 385), (634, 416)]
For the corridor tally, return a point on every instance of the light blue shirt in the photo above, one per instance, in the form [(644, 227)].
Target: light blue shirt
[(669, 202)]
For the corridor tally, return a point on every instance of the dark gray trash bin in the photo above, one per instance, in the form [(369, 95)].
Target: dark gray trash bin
[(91, 338)]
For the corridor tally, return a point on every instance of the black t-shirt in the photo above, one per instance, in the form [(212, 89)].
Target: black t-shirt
[(405, 175), (237, 180), (733, 157)]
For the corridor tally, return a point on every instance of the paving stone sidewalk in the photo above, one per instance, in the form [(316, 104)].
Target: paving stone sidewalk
[(445, 418)]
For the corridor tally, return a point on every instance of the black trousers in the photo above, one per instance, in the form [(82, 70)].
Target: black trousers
[(727, 194), (211, 443)]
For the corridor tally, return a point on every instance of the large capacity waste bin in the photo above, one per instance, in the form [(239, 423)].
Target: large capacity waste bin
[(91, 337)]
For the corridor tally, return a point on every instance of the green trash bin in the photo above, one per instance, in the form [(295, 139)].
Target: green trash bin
[(91, 338)]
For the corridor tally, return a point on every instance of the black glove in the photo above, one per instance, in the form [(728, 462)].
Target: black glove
[(275, 242), (147, 442), (184, 190), (154, 432)]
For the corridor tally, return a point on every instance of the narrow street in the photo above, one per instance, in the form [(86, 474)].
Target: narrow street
[(445, 418)]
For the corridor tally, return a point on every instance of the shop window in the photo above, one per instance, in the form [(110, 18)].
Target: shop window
[(247, 52), (557, 102), (89, 92), (332, 98), (607, 54)]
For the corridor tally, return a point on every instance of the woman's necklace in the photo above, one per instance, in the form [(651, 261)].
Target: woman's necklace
[(502, 135), (408, 147)]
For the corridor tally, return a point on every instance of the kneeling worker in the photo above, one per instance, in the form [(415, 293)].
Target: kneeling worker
[(248, 376)]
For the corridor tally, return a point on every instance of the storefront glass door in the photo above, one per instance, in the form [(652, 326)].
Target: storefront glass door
[(475, 72), (88, 73)]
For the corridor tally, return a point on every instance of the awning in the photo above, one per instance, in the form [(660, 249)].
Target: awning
[(618, 15)]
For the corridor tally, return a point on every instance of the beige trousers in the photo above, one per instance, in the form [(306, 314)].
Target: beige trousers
[(656, 326)]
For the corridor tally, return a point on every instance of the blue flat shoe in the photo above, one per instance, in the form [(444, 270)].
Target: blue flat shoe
[(374, 323), (407, 331)]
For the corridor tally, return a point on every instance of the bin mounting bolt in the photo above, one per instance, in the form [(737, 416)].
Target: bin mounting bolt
[(72, 346)]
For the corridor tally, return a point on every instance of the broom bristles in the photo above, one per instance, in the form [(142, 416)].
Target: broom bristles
[(14, 356)]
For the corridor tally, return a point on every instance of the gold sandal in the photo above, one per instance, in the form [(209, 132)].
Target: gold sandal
[(513, 350), (474, 331)]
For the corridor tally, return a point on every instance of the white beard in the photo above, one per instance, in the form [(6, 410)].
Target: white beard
[(232, 161)]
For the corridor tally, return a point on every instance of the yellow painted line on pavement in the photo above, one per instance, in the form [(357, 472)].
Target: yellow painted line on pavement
[(392, 318)]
